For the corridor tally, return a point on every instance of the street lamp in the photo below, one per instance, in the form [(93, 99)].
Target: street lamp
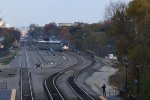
[(138, 80), (125, 63)]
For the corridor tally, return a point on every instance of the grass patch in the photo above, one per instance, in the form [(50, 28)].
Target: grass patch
[(9, 58)]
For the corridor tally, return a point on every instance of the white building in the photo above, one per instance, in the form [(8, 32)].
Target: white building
[(23, 31), (68, 24), (65, 24)]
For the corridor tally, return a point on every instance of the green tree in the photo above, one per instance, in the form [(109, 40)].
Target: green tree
[(139, 12)]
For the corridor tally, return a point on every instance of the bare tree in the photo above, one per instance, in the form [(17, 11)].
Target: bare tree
[(113, 8)]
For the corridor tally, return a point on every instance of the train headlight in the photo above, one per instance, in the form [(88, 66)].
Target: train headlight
[(65, 47), (1, 46)]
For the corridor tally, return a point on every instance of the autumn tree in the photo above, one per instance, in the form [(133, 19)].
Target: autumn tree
[(116, 15), (51, 29), (76, 36), (10, 35), (64, 32), (139, 12), (131, 29), (90, 36)]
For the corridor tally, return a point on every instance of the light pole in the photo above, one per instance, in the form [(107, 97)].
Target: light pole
[(125, 63), (138, 80)]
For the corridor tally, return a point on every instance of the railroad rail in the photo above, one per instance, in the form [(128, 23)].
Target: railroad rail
[(42, 60), (53, 92), (51, 89), (74, 86), (25, 81)]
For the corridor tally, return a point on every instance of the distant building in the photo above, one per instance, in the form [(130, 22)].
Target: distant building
[(68, 24), (64, 24), (23, 31), (2, 23)]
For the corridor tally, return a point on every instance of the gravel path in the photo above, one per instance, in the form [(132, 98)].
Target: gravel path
[(93, 80)]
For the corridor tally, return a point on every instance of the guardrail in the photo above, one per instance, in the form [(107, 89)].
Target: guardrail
[(111, 92)]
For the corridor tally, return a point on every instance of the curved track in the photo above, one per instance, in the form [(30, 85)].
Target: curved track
[(50, 86), (53, 91), (75, 87)]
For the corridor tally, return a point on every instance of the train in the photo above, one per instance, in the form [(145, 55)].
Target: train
[(52, 44)]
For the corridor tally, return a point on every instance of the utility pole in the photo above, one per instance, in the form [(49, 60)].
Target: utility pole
[(84, 43), (138, 81)]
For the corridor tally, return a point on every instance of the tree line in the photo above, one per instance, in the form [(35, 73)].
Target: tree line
[(130, 26), (10, 35), (81, 36)]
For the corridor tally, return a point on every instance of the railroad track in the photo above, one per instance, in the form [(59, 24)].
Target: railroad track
[(25, 81), (82, 94), (42, 60), (41, 56), (52, 90)]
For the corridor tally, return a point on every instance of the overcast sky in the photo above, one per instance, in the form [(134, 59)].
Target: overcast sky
[(19, 13)]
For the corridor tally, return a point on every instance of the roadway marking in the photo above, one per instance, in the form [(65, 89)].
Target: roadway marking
[(29, 75), (13, 94), (64, 57)]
